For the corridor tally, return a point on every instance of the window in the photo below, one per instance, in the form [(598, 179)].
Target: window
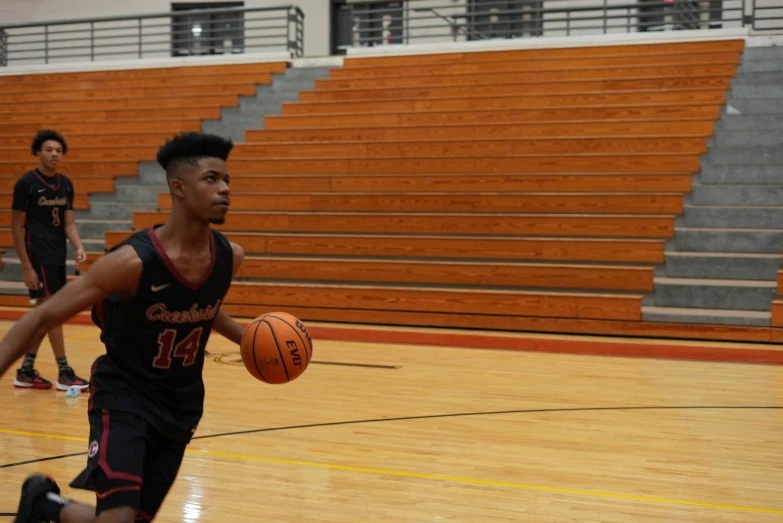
[(206, 34)]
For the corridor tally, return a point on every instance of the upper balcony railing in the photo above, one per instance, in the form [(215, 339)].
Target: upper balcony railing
[(193, 32)]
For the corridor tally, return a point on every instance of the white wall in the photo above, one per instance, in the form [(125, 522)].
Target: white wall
[(316, 12)]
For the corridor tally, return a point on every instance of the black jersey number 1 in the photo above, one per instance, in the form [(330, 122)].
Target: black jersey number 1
[(56, 217)]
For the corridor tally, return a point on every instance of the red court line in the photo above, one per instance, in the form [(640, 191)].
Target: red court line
[(530, 344)]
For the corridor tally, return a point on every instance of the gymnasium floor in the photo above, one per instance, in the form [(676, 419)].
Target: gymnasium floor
[(412, 433)]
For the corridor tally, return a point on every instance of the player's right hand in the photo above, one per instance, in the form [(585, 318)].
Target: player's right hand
[(31, 279)]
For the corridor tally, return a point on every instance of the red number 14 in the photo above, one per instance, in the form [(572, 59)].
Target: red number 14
[(187, 349)]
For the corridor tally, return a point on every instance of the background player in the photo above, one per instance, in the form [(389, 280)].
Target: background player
[(156, 297), (42, 218)]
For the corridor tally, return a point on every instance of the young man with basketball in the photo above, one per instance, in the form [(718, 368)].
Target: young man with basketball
[(156, 297), (42, 218)]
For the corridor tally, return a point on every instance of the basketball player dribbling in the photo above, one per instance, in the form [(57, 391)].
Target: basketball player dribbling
[(156, 297)]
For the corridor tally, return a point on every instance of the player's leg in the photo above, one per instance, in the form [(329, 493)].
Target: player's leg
[(26, 375), (54, 279), (115, 463), (164, 457), (41, 501)]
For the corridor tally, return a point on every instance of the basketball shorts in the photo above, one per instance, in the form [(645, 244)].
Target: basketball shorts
[(129, 463), (51, 278)]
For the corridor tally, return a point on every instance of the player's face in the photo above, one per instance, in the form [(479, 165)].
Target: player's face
[(207, 194), (50, 154)]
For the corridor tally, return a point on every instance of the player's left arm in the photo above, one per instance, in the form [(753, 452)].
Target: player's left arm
[(71, 231), (223, 323)]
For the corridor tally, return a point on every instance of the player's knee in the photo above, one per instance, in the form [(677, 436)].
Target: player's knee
[(117, 515)]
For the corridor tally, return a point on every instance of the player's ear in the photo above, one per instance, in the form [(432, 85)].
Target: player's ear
[(177, 187)]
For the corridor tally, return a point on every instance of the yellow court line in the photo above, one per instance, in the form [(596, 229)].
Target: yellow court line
[(439, 477), (41, 435)]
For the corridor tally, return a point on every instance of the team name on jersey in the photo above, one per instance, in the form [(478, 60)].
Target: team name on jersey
[(43, 200), (159, 312)]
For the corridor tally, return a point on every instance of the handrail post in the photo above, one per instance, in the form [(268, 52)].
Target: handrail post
[(3, 48), (46, 44)]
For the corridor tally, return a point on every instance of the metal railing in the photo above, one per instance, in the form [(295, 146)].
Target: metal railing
[(386, 22), (195, 32)]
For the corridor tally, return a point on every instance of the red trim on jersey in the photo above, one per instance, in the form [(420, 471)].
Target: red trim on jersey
[(102, 454), (43, 277), (92, 384), (43, 180), (170, 264)]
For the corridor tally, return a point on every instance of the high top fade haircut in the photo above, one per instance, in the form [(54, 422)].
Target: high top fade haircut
[(44, 136), (186, 149)]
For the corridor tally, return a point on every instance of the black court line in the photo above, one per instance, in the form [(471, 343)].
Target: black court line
[(365, 365), (234, 358), (39, 460), (438, 416)]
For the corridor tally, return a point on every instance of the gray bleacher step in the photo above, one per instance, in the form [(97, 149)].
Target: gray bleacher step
[(12, 268), (145, 193), (234, 122), (756, 105), (709, 239), (744, 174), (744, 156), (747, 138), (90, 228), (735, 194), (706, 316), (703, 293), (744, 122), (13, 288), (733, 216), (730, 265), (748, 91), (108, 211), (753, 54)]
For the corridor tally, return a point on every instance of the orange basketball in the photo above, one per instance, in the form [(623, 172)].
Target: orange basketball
[(276, 348)]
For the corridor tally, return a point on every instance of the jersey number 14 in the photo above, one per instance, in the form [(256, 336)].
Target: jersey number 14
[(187, 348)]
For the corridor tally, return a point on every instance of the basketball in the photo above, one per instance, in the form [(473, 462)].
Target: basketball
[(276, 348)]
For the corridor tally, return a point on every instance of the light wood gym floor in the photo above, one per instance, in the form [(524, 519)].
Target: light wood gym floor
[(413, 433)]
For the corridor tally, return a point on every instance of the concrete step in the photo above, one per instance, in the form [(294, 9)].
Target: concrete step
[(755, 105), (706, 316), (90, 228), (119, 210), (745, 156), (129, 193), (716, 265), (736, 194), (150, 173), (740, 174), (702, 293), (747, 138), (703, 239), (285, 88), (748, 122), (753, 54), (748, 91), (13, 288), (12, 268), (733, 216), (767, 73)]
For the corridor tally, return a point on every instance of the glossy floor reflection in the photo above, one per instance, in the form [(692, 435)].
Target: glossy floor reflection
[(406, 433)]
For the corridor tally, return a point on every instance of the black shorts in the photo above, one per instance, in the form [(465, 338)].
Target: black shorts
[(129, 463), (51, 278)]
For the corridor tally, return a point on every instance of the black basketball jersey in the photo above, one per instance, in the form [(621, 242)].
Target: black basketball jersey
[(44, 200), (155, 340)]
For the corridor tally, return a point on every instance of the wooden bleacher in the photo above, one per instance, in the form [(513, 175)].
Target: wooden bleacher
[(521, 190)]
